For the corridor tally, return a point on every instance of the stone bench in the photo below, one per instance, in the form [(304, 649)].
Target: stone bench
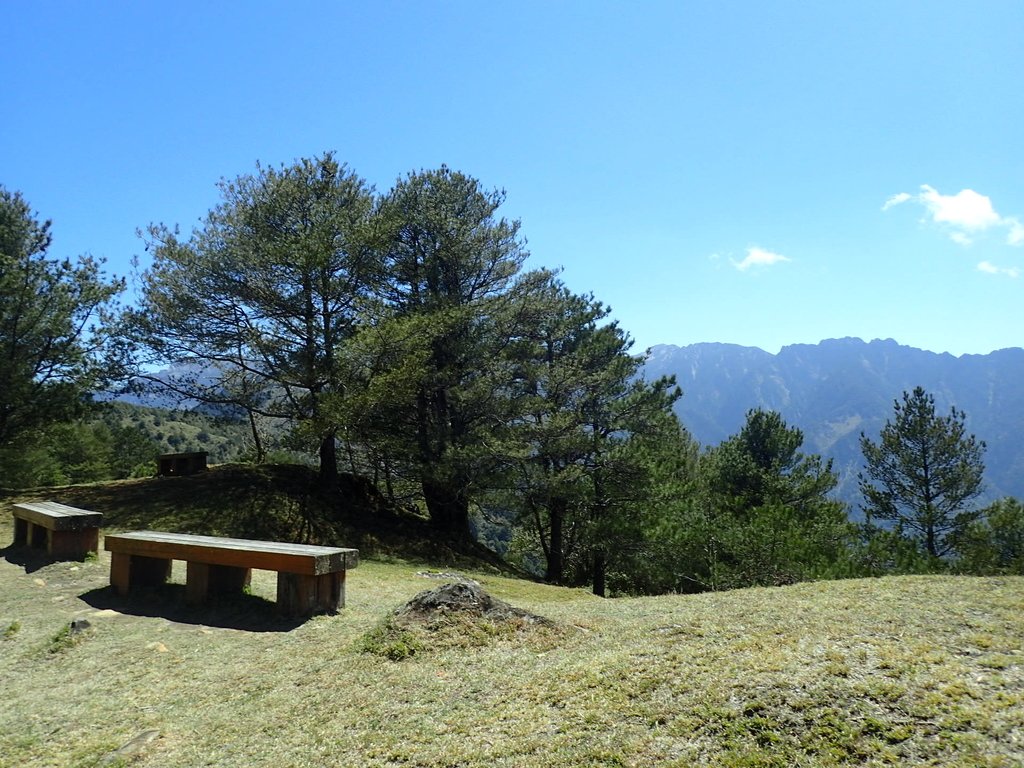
[(63, 531), (310, 579)]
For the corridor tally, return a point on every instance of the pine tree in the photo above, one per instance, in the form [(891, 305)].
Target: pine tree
[(767, 515), (55, 316), (923, 473), (256, 305), (452, 264), (581, 416)]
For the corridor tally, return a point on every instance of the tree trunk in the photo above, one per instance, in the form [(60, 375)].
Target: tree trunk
[(257, 441), (388, 484), (448, 508), (328, 462), (600, 568), (556, 565)]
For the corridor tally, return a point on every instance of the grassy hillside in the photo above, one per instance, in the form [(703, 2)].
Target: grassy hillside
[(277, 502), (176, 430), (896, 671)]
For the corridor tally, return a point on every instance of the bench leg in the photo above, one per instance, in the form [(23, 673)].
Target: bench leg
[(20, 532), (120, 572), (73, 544), (128, 571), (202, 579), (38, 537), (301, 595)]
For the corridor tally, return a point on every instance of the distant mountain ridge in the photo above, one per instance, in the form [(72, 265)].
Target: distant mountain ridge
[(839, 388)]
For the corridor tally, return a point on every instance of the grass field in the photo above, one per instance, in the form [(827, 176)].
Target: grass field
[(908, 671)]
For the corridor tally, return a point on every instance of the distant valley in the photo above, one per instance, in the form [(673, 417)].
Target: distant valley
[(839, 388)]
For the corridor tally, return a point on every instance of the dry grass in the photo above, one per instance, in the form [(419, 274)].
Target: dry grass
[(907, 671)]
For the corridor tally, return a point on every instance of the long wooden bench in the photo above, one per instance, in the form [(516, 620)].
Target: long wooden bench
[(63, 531), (310, 579)]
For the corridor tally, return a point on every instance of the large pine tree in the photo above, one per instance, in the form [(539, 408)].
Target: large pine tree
[(451, 264), (580, 413), (264, 294)]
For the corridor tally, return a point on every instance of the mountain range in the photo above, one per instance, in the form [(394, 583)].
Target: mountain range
[(832, 391), (835, 390)]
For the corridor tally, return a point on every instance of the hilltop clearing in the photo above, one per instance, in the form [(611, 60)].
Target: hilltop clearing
[(907, 671)]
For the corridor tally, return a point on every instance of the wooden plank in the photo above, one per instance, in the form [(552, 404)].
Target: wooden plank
[(57, 517), (229, 543), (244, 553)]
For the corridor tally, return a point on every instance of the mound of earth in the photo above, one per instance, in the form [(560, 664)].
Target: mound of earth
[(456, 615), (464, 598)]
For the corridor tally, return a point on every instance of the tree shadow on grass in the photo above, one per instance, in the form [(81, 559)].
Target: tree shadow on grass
[(245, 612)]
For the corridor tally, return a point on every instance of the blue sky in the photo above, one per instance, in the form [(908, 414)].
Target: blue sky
[(759, 173)]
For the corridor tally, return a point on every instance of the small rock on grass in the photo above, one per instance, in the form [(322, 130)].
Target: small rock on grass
[(133, 747)]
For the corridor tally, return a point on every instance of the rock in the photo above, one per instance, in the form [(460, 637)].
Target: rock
[(79, 625), (133, 747)]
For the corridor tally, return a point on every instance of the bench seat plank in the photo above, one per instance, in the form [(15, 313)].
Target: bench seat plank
[(305, 559), (57, 517)]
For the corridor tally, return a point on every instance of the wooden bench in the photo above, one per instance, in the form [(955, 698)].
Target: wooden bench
[(63, 531), (310, 579), (181, 463)]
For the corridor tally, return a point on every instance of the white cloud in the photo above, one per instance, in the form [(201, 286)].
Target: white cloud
[(902, 197), (1016, 234), (758, 257), (990, 268), (964, 215), (964, 210)]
